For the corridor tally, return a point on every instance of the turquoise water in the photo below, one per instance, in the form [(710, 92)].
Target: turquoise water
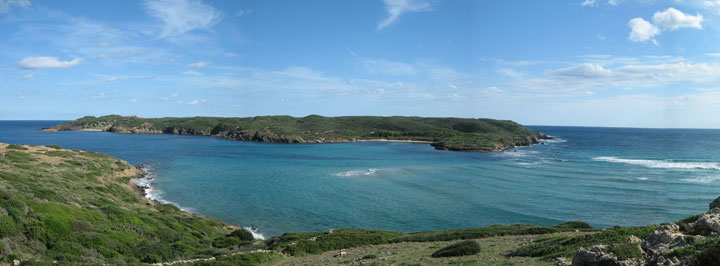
[(605, 176)]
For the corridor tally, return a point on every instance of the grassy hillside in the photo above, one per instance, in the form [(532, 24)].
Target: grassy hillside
[(79, 207), (458, 134)]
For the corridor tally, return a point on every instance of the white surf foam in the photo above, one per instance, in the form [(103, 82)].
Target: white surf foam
[(664, 164), (151, 193), (701, 179), (553, 140), (255, 233), (370, 171)]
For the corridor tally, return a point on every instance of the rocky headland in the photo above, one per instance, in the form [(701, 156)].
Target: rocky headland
[(455, 134)]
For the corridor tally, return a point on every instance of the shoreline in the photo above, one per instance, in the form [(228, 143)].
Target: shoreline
[(142, 185), (395, 140)]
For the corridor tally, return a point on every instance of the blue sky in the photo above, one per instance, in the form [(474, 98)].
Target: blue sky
[(632, 63)]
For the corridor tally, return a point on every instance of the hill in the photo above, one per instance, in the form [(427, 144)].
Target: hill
[(456, 134)]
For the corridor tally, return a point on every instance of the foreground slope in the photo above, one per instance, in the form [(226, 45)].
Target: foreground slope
[(457, 134), (71, 207), (76, 206)]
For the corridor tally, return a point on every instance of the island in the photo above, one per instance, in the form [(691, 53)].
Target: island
[(454, 134), (71, 207)]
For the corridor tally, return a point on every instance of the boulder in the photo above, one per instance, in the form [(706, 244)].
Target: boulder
[(707, 224), (715, 203), (600, 255)]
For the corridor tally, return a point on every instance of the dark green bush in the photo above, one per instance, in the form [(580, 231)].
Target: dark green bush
[(242, 234), (16, 147), (226, 242), (463, 248)]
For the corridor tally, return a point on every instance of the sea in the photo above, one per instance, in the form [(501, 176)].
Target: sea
[(603, 176)]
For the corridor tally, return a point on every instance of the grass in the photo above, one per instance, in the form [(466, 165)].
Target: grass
[(565, 246), (76, 207), (299, 244), (489, 231), (462, 248), (461, 134)]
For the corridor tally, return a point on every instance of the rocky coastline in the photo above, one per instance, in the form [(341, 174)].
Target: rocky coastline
[(465, 144)]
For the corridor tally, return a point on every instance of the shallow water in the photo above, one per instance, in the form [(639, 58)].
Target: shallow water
[(605, 176)]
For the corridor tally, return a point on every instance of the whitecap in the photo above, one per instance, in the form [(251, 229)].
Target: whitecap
[(370, 171), (701, 179), (664, 164), (255, 233)]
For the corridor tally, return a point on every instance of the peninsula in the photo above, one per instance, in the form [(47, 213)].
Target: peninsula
[(455, 134)]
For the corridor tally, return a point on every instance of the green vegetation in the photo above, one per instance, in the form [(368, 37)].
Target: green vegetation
[(564, 246), (493, 230), (298, 244), (460, 134), (78, 207), (462, 248)]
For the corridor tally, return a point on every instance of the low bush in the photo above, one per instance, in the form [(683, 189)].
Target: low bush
[(242, 234), (490, 231), (463, 248)]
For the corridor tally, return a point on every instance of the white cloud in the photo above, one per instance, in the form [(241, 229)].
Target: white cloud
[(396, 8), (46, 62), (715, 3), (6, 5), (713, 54), (193, 102), (668, 20), (180, 16), (113, 78), (173, 96), (642, 30), (510, 73), (102, 95), (589, 3), (199, 64), (387, 67), (672, 19), (104, 44), (636, 75), (192, 72), (28, 77)]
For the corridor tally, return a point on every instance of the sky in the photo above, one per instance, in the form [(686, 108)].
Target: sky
[(623, 63)]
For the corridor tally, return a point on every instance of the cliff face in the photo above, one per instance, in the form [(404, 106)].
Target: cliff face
[(455, 134)]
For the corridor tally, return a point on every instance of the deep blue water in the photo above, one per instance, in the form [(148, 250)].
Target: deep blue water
[(605, 176)]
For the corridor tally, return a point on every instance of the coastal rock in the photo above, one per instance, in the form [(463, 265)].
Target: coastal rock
[(707, 224), (715, 203), (600, 255)]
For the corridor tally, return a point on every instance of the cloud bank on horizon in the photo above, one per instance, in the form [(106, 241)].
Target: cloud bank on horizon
[(587, 62)]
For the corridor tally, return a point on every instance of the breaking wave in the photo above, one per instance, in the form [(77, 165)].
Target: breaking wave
[(663, 164), (370, 171)]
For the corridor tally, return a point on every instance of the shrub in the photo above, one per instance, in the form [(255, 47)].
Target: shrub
[(242, 234), (369, 257), (226, 242), (16, 147), (464, 248)]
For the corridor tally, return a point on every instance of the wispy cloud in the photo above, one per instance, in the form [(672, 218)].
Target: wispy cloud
[(28, 77), (668, 20), (7, 5), (46, 62), (113, 78), (102, 95), (396, 8), (199, 64), (180, 16)]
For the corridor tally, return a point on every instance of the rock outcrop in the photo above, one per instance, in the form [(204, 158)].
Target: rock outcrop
[(659, 246)]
